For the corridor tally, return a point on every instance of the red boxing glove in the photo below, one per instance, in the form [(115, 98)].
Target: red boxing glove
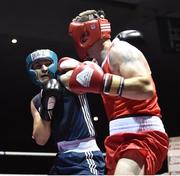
[(66, 63), (89, 77)]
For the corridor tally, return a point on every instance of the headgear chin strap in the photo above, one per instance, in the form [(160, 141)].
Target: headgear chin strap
[(41, 55), (85, 34)]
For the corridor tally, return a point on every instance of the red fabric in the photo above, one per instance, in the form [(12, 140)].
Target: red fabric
[(153, 145), (116, 106)]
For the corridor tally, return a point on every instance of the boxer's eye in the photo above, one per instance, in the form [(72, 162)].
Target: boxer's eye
[(38, 64)]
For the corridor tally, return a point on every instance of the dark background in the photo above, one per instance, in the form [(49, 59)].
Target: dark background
[(38, 24)]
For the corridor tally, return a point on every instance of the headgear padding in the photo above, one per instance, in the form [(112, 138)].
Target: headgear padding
[(88, 28)]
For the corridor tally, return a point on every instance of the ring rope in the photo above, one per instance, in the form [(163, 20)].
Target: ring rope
[(12, 153)]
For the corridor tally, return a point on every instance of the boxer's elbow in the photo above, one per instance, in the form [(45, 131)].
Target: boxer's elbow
[(41, 138)]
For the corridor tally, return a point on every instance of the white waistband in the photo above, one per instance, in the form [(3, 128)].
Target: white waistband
[(83, 145), (136, 124)]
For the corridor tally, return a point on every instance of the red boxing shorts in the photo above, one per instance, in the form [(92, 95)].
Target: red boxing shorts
[(152, 145)]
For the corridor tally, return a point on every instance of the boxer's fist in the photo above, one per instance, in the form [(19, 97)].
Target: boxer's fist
[(89, 77), (50, 93), (131, 36)]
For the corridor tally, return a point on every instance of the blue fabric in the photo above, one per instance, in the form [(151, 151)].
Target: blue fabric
[(72, 163), (72, 121), (72, 118)]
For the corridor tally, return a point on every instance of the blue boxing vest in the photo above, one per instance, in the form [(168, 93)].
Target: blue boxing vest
[(72, 118)]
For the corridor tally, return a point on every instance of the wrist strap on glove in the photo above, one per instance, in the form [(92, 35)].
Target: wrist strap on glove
[(47, 112), (113, 84)]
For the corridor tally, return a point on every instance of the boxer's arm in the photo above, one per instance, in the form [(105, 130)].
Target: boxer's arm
[(66, 64), (41, 128), (127, 61), (65, 69), (89, 77), (138, 84), (64, 79)]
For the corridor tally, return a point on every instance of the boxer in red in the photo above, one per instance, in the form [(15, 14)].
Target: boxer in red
[(137, 143)]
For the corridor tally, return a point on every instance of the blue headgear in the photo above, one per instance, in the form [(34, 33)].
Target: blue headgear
[(38, 55)]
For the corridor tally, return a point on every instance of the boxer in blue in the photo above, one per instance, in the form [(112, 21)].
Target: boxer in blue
[(65, 116)]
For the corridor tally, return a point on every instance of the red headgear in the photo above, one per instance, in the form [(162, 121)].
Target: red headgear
[(85, 34)]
